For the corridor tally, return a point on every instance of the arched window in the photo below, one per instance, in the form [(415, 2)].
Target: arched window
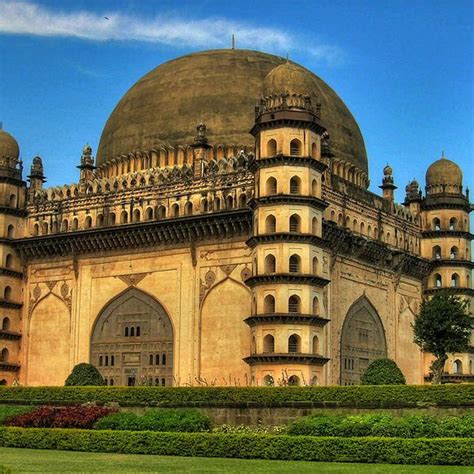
[(362, 228), (126, 332), (369, 231), (12, 200), (65, 225), (457, 366), (217, 204), (339, 219), (149, 213), (88, 222), (271, 186), (454, 280), (314, 226), (453, 223), (268, 343), (188, 208), (315, 265), (454, 253), (157, 359), (106, 361), (271, 147), (11, 231), (295, 147), (175, 210), (269, 304), (112, 219), (3, 382), (295, 264), (294, 343), (161, 212), (101, 361), (7, 293), (243, 200), (112, 360), (437, 252), (132, 331), (333, 216), (6, 324), (293, 381), (314, 150), (124, 217), (436, 224), (163, 382), (316, 308), (229, 202), (294, 304), (270, 224), (253, 348), (314, 187), (4, 355), (315, 345), (44, 228), (138, 330), (136, 215), (270, 264), (314, 381), (204, 205), (268, 381), (163, 362), (438, 280), (9, 260), (295, 185), (36, 229), (295, 223)]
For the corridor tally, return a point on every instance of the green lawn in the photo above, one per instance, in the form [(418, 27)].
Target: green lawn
[(31, 460)]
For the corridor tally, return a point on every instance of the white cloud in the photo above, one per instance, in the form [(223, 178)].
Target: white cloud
[(28, 18)]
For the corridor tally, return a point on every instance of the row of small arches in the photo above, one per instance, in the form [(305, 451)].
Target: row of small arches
[(154, 359), (293, 381), (294, 224), (137, 215), (454, 282), (294, 304), (106, 360), (348, 172), (453, 224), (296, 148), (453, 253), (272, 186), (294, 264), (293, 344), (132, 331)]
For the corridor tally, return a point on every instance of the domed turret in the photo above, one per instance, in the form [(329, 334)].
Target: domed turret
[(9, 148), (443, 176), (288, 77)]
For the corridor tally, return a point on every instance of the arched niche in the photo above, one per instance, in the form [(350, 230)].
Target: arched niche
[(135, 332), (49, 343), (362, 341)]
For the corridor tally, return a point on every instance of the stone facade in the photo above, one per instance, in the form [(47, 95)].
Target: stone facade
[(210, 264)]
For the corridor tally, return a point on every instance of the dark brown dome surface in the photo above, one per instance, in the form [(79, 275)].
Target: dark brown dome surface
[(8, 146), (443, 171), (221, 88)]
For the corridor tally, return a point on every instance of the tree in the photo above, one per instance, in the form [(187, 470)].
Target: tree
[(443, 326), (84, 375), (383, 372)]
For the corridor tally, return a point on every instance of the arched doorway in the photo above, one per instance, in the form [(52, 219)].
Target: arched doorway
[(132, 341), (362, 341)]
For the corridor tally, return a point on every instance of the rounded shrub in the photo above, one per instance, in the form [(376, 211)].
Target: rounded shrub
[(84, 375), (383, 372)]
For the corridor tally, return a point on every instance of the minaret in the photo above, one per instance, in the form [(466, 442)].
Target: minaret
[(446, 242), (36, 178), (388, 187), (86, 168), (200, 150), (413, 197), (288, 316), (12, 210)]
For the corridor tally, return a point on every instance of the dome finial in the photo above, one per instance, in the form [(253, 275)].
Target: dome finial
[(442, 154)]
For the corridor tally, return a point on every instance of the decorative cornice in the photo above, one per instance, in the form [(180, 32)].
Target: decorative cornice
[(9, 304), (455, 290), (288, 278), (9, 367), (11, 273), (433, 234), (219, 225), (289, 160), (287, 237), (13, 211), (287, 358), (452, 378), (9, 335), (452, 263), (446, 201), (286, 318), (311, 201)]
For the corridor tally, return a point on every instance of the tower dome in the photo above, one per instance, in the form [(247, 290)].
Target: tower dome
[(219, 88), (288, 77), (444, 176), (9, 148)]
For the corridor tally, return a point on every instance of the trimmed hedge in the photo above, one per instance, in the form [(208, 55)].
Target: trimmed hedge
[(386, 425), (163, 419), (383, 372), (376, 396), (440, 451), (10, 411), (84, 375)]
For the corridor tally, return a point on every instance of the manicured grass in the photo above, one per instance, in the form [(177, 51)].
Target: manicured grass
[(32, 460)]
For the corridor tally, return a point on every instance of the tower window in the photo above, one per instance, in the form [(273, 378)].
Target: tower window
[(270, 264), (271, 186), (454, 253), (438, 281), (294, 343), (294, 264), (295, 185), (455, 280), (294, 304), (270, 224), (437, 252), (295, 222), (271, 147), (436, 224), (295, 147), (453, 223), (269, 304), (268, 343)]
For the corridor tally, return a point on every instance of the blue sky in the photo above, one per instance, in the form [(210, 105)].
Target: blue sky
[(404, 68)]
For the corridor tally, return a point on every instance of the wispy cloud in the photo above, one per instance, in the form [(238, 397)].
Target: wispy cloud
[(29, 18)]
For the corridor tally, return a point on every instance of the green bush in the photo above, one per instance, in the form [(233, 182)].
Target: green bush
[(11, 411), (163, 419), (377, 396), (459, 451), (386, 425), (383, 372), (84, 375)]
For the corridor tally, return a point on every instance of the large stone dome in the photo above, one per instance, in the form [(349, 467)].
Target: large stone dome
[(220, 88)]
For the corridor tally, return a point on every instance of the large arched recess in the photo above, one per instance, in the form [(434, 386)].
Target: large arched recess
[(362, 341), (225, 338), (132, 341), (49, 343)]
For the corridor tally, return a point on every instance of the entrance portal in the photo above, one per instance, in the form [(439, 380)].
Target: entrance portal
[(362, 341), (132, 341)]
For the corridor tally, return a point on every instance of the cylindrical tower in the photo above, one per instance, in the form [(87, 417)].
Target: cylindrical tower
[(447, 241), (288, 314), (12, 212)]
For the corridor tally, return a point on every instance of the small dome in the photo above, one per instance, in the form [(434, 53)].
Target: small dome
[(387, 171), (288, 77), (8, 146), (443, 172)]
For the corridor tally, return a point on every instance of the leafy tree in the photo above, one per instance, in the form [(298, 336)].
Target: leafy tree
[(383, 372), (443, 326), (84, 375)]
